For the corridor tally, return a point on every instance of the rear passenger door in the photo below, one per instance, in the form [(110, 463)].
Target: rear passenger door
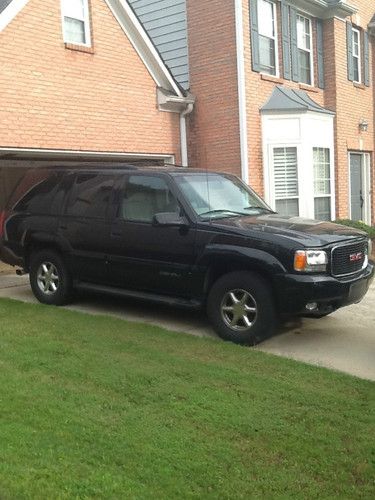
[(145, 256), (85, 225)]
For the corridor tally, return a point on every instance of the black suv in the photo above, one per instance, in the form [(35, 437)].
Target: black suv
[(180, 236)]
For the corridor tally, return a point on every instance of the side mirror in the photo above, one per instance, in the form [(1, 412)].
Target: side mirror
[(169, 219)]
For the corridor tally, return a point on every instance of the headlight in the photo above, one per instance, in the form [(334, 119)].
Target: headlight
[(310, 261)]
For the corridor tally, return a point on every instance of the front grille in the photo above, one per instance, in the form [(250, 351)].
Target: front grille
[(349, 259)]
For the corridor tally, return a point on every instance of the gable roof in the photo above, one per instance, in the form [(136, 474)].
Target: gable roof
[(285, 100), (166, 23), (133, 29)]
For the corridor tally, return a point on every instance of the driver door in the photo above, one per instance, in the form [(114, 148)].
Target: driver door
[(145, 256)]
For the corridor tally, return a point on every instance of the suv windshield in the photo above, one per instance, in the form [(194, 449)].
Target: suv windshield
[(220, 195)]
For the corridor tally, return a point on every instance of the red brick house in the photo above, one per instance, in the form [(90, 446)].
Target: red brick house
[(284, 91), (285, 98), (80, 80)]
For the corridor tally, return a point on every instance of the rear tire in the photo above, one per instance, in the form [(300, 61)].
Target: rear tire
[(50, 279), (241, 309)]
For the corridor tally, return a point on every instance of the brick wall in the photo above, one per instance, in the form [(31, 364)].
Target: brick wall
[(56, 98), (214, 125), (350, 102)]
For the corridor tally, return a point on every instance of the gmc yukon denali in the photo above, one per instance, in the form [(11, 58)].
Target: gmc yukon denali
[(184, 237)]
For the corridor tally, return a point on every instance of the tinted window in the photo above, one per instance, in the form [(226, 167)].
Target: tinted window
[(90, 196), (38, 193), (146, 196)]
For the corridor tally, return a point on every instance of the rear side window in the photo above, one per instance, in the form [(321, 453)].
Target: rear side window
[(36, 194), (90, 195)]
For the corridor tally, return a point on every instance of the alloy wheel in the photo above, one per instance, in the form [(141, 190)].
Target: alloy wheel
[(239, 310)]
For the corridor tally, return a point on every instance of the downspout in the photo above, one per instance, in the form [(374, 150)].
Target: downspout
[(183, 134), (242, 91)]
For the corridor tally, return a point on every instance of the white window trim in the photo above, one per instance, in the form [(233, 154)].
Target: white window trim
[(310, 51), (331, 182), (355, 30), (86, 22), (275, 38)]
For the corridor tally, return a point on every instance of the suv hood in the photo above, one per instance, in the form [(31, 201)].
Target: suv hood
[(304, 231)]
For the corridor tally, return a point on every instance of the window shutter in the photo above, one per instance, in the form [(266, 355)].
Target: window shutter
[(320, 50), (294, 45), (366, 58), (254, 35), (286, 39), (349, 42), (285, 173)]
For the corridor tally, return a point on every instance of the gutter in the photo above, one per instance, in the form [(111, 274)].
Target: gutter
[(242, 91), (182, 105)]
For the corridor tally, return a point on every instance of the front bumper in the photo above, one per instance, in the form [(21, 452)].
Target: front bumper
[(294, 291)]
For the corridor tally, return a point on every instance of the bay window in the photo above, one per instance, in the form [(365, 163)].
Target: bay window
[(322, 183), (285, 173)]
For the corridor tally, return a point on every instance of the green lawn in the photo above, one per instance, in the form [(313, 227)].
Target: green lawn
[(94, 407)]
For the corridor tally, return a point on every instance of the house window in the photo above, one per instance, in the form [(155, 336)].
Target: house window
[(285, 172), (304, 42), (267, 37), (322, 183), (76, 21), (356, 55)]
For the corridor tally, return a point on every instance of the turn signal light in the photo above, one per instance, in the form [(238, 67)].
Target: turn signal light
[(300, 260)]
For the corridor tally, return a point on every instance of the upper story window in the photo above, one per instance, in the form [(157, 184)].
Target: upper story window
[(267, 36), (305, 49), (76, 22), (356, 55)]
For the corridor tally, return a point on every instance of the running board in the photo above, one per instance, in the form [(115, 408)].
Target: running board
[(133, 294)]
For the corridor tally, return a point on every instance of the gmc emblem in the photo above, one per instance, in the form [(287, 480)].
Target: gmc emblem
[(355, 257)]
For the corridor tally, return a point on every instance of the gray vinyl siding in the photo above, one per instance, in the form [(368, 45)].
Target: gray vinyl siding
[(4, 3), (166, 24)]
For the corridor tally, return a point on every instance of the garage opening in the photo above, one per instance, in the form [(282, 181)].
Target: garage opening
[(15, 163)]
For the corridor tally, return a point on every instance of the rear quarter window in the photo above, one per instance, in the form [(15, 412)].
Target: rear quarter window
[(37, 193)]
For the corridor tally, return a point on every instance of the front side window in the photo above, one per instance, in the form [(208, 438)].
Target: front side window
[(267, 36), (285, 172), (304, 41), (356, 55), (144, 197), (322, 184), (76, 21)]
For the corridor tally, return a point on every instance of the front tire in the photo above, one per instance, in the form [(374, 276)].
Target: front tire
[(241, 309), (50, 279)]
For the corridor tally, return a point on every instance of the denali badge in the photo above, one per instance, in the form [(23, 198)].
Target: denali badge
[(355, 257)]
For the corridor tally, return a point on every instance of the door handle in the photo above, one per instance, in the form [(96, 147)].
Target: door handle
[(116, 234)]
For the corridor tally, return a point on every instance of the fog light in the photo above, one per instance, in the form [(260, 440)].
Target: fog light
[(311, 306)]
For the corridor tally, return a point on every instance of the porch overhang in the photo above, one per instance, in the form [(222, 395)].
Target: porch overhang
[(326, 9)]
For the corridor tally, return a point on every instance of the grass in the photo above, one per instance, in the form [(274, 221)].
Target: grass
[(95, 407)]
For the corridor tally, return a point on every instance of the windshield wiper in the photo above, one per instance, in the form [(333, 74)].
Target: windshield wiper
[(222, 210), (260, 208)]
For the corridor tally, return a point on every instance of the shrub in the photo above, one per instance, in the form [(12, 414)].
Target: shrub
[(370, 230)]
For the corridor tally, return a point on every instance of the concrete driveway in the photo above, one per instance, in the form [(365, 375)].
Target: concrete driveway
[(344, 341)]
